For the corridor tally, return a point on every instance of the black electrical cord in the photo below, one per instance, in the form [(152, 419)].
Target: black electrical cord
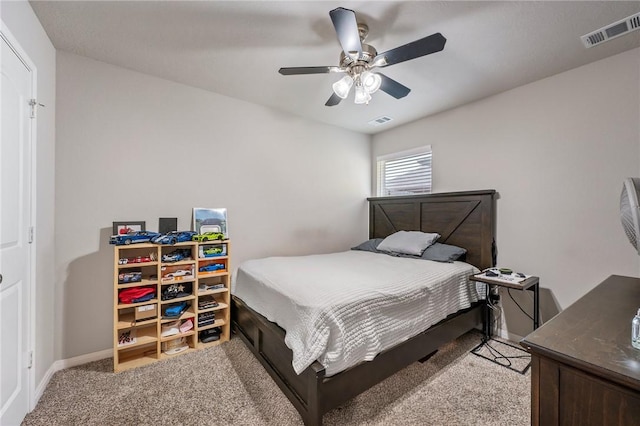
[(497, 355), (517, 304)]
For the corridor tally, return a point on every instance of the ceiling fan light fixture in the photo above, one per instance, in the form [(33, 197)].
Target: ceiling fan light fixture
[(362, 96), (371, 81), (342, 86), (357, 58)]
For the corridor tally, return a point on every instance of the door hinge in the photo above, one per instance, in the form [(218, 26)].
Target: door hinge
[(30, 359), (33, 104), (31, 231)]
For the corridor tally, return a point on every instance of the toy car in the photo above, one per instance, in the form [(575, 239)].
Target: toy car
[(211, 267), (177, 255), (212, 251), (178, 273), (174, 237), (129, 277), (138, 259), (209, 236), (133, 237)]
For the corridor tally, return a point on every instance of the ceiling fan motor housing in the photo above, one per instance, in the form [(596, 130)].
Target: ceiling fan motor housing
[(368, 53)]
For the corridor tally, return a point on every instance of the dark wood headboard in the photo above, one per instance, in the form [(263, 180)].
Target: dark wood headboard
[(465, 219)]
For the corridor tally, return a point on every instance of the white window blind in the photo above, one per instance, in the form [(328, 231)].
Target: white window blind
[(405, 173)]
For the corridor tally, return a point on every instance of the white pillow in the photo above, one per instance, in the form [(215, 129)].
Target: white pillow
[(408, 242)]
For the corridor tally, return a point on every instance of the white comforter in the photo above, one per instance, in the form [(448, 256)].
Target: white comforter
[(344, 308)]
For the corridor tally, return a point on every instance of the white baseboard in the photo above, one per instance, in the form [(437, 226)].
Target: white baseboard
[(61, 364), (505, 334)]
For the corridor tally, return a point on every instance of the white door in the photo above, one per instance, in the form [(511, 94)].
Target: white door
[(15, 160)]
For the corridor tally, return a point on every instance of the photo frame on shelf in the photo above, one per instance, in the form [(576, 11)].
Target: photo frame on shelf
[(210, 220), (120, 228), (167, 224)]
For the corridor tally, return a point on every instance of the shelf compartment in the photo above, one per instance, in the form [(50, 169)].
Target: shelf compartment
[(177, 299), (127, 321), (176, 336), (212, 274), (179, 263), (209, 292), (216, 323), (187, 314), (221, 257), (216, 308), (137, 265), (177, 281), (136, 359), (186, 351), (173, 268), (202, 345), (144, 336), (133, 305), (182, 244), (135, 246), (144, 282)]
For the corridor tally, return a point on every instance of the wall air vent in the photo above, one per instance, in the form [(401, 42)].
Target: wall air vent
[(380, 120), (612, 31)]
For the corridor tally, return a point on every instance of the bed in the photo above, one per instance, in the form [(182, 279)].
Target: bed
[(464, 219)]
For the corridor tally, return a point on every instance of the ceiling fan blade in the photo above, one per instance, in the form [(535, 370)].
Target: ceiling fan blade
[(425, 46), (333, 100), (309, 70), (392, 87), (344, 21)]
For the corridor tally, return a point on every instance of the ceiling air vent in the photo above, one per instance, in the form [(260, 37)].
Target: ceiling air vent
[(612, 31), (380, 120)]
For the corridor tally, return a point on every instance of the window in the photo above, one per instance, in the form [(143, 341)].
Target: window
[(405, 173)]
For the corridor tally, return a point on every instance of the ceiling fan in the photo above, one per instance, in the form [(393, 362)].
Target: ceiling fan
[(358, 59)]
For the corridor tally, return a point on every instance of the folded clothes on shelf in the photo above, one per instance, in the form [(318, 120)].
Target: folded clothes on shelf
[(175, 310), (133, 294)]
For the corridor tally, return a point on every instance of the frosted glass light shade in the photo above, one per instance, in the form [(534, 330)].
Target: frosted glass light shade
[(362, 97), (370, 81), (342, 86)]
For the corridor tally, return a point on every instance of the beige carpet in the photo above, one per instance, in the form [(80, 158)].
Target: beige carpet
[(227, 385)]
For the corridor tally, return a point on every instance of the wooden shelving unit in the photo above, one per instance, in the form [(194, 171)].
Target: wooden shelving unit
[(203, 281)]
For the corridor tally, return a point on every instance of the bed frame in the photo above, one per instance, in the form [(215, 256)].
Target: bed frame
[(465, 219)]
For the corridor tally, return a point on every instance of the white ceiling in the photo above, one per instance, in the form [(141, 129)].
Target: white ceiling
[(235, 48)]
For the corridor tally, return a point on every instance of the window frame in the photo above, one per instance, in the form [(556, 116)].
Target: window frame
[(382, 160)]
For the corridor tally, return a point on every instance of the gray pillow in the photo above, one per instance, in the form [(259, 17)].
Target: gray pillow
[(407, 242), (437, 251), (369, 245), (443, 253)]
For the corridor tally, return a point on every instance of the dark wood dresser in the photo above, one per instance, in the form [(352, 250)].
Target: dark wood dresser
[(584, 370)]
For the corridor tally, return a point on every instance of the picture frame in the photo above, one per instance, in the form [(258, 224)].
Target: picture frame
[(210, 220), (167, 224), (129, 226)]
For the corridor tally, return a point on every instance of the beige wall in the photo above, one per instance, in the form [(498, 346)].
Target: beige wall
[(135, 147), (557, 151), (25, 27)]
